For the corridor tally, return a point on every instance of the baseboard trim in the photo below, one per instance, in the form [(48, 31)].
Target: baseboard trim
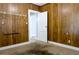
[(13, 46), (65, 46), (58, 44)]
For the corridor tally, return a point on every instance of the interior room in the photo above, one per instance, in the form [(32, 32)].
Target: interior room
[(39, 28)]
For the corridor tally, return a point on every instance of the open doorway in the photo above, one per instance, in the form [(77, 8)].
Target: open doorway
[(37, 25)]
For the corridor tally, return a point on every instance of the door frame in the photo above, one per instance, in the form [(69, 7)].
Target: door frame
[(29, 11), (34, 11)]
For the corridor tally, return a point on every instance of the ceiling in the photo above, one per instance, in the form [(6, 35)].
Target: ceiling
[(39, 4)]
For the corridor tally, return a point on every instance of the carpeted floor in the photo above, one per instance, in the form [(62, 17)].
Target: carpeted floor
[(39, 48)]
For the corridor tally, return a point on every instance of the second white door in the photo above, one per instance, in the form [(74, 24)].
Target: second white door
[(42, 26)]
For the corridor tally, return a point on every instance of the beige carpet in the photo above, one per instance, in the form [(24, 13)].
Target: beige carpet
[(39, 48)]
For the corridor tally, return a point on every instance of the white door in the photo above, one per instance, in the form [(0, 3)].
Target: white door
[(42, 26)]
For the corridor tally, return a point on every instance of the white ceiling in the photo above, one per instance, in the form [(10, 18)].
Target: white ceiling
[(39, 4)]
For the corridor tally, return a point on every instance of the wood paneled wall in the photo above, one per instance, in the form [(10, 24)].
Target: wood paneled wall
[(13, 19), (63, 23)]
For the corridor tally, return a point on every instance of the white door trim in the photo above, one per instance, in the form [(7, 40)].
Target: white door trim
[(29, 11)]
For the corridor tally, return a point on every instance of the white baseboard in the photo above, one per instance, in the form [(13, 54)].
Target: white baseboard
[(65, 46), (58, 44), (13, 46)]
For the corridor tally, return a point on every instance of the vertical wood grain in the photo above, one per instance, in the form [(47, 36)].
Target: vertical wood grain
[(63, 21), (14, 28)]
